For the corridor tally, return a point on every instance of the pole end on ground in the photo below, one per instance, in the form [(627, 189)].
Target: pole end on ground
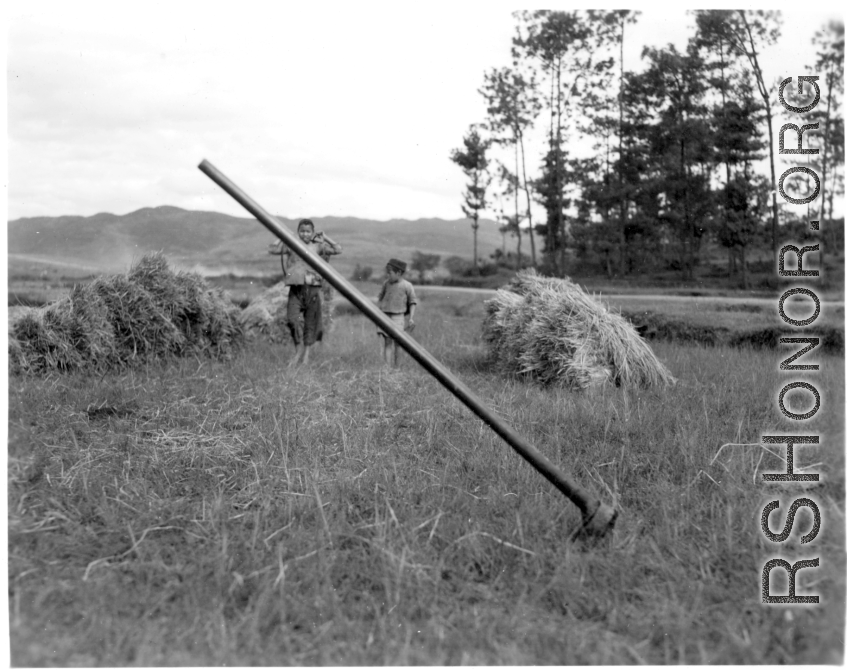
[(598, 523)]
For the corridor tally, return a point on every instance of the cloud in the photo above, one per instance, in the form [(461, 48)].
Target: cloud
[(133, 100), (346, 109)]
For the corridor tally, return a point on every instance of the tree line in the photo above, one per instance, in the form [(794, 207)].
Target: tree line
[(676, 151)]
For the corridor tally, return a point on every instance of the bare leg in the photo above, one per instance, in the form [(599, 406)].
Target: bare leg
[(298, 354), (392, 354), (305, 358), (384, 351)]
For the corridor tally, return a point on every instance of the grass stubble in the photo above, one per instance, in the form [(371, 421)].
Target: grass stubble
[(204, 512)]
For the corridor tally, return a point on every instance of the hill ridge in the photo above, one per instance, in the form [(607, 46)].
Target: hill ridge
[(215, 241)]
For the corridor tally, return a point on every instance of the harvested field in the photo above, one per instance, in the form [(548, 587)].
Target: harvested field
[(654, 326), (212, 511)]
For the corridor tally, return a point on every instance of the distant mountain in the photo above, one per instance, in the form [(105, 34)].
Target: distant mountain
[(212, 243)]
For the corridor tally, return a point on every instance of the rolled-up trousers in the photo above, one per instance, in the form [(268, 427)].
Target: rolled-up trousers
[(304, 314)]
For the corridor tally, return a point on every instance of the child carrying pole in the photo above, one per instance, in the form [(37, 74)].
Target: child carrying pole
[(304, 293)]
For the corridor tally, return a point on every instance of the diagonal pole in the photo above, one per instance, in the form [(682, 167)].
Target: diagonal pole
[(597, 517)]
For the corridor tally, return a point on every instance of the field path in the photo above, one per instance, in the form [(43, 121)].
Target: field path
[(622, 297), (53, 261)]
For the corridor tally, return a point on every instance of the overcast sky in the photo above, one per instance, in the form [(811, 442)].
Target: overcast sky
[(335, 109)]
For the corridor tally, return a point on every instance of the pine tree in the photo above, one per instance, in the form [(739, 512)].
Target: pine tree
[(474, 163)]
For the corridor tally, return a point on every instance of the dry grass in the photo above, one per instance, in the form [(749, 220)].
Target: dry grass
[(210, 512), (551, 330)]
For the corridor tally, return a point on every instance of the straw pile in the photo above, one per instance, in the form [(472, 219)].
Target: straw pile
[(551, 330), (120, 320), (265, 316)]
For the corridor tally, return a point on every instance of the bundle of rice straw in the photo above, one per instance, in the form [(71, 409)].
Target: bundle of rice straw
[(120, 320), (65, 335), (553, 331), (204, 317), (266, 314)]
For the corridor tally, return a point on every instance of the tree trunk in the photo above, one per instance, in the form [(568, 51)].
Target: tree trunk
[(744, 284), (518, 259), (689, 226), (622, 234), (517, 186), (475, 229), (731, 266), (528, 201), (552, 232), (831, 231), (763, 92), (775, 220), (821, 225), (559, 181)]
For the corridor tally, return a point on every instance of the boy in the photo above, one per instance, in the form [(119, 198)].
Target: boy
[(304, 293), (397, 299)]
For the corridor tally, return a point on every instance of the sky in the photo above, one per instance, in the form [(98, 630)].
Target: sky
[(332, 109)]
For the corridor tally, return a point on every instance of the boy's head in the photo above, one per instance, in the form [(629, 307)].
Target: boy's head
[(395, 269), (306, 230)]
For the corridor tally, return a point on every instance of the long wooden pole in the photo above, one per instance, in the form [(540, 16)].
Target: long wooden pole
[(597, 516)]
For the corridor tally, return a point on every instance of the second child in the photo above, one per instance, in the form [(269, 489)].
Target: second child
[(397, 299)]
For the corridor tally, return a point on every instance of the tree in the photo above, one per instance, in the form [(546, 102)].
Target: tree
[(830, 60), (603, 183), (735, 113), (503, 229), (746, 33), (510, 183), (746, 203), (549, 188), (474, 164), (612, 26), (513, 104), (362, 273), (457, 266), (561, 43), (595, 238), (512, 224), (675, 146), (423, 263)]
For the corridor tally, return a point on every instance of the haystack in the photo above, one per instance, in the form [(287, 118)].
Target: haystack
[(66, 335), (265, 315), (119, 320), (205, 317), (553, 331)]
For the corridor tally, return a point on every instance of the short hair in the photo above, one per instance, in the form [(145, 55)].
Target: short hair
[(305, 222)]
